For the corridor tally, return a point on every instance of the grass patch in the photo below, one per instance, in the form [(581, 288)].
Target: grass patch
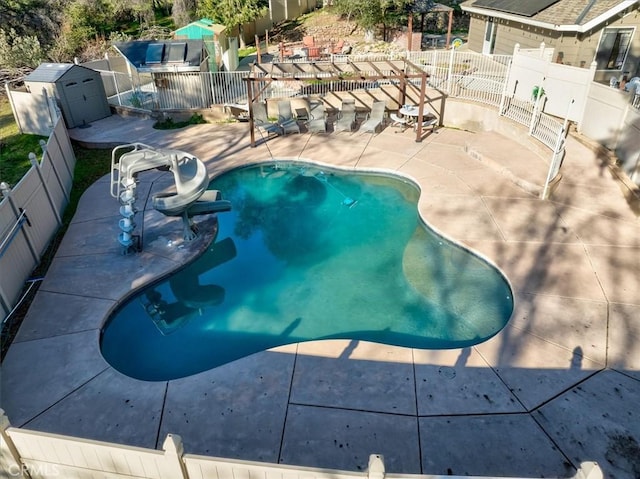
[(245, 52), (169, 124), (14, 146)]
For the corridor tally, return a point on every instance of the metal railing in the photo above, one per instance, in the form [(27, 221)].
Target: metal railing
[(176, 90), (460, 74), (465, 75), (543, 127)]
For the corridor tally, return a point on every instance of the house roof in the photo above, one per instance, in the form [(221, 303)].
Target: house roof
[(51, 72), (560, 15), (162, 55)]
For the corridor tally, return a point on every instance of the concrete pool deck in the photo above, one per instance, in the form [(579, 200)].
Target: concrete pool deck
[(558, 386)]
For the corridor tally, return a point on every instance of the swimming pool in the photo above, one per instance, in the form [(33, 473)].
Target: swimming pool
[(307, 253)]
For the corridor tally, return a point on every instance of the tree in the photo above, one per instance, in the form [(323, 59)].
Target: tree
[(233, 13), (31, 18), (144, 11), (18, 51), (369, 14), (84, 21), (183, 12)]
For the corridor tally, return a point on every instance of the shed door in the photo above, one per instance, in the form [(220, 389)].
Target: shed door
[(86, 101)]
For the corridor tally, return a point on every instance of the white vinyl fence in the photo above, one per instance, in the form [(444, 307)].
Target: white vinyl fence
[(34, 112), (31, 212), (40, 455)]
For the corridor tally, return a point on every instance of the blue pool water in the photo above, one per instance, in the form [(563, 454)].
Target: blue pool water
[(309, 253)]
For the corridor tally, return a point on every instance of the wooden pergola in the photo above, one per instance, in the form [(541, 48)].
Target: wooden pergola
[(398, 73), (422, 8)]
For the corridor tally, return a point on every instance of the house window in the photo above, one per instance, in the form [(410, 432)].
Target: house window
[(613, 48)]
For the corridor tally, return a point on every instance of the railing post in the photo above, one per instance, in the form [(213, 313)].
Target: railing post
[(558, 153), (450, 73), (115, 84), (173, 452), (214, 97), (536, 106), (503, 97), (9, 456)]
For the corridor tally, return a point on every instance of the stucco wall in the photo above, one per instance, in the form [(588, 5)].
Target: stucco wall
[(477, 117)]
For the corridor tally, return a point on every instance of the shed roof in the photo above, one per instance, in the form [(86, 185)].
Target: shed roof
[(561, 15), (203, 24), (51, 72), (162, 55)]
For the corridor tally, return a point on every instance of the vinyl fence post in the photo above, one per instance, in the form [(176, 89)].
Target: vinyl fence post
[(52, 120), (9, 456), (46, 154), (376, 468), (45, 187), (13, 107), (18, 213), (173, 452), (69, 168)]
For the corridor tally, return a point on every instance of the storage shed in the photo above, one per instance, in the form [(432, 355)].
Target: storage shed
[(78, 91), (213, 36)]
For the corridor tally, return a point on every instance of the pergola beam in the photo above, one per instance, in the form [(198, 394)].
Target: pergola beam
[(330, 71)]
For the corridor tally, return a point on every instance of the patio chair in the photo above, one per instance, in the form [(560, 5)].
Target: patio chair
[(261, 121), (375, 118), (318, 121), (399, 121), (429, 122), (313, 53), (285, 51), (286, 121), (346, 116), (336, 49), (302, 109)]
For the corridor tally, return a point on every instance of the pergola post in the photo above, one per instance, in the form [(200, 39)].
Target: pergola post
[(423, 94), (449, 28), (251, 120)]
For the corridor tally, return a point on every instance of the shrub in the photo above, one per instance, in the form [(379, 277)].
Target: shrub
[(169, 124), (19, 51)]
